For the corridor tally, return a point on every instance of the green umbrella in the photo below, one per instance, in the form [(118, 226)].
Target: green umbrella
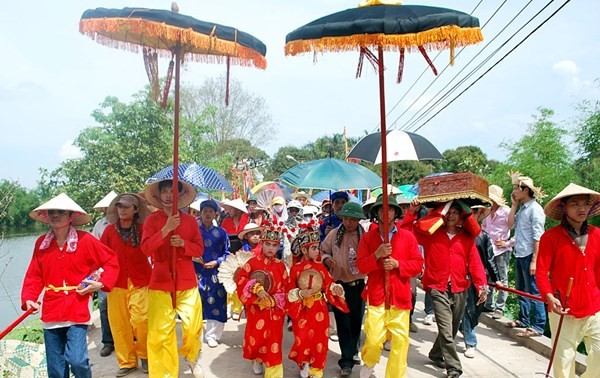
[(330, 174)]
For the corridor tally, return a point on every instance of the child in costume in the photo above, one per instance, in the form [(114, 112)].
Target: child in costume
[(310, 283), (261, 287)]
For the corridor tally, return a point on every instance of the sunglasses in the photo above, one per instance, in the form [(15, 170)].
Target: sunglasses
[(59, 212)]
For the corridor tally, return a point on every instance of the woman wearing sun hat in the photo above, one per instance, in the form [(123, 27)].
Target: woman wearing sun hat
[(572, 250), (128, 301), (164, 234), (62, 259)]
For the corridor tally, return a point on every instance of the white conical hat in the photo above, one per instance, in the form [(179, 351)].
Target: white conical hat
[(555, 208), (61, 202), (236, 204), (105, 202)]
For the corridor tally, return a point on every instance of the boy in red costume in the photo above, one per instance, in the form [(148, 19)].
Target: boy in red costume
[(310, 283), (261, 288)]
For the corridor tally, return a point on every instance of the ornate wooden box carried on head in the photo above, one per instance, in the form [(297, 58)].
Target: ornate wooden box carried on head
[(467, 186)]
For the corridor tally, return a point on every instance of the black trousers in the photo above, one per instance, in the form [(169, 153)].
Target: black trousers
[(350, 324)]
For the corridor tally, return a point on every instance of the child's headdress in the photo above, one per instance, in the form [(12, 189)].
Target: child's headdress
[(308, 233), (274, 231)]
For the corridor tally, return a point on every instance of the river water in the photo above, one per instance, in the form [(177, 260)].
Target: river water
[(15, 254)]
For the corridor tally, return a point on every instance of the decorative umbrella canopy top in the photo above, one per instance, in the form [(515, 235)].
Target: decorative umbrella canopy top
[(390, 26), (402, 145), (133, 28), (196, 175)]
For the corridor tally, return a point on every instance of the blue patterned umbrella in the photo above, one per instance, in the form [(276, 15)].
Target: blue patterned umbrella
[(197, 175)]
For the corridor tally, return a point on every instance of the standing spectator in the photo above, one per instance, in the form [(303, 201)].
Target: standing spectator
[(62, 259), (173, 285), (237, 216), (473, 308), (261, 285), (128, 301), (338, 199), (212, 292), (340, 252), (572, 250), (400, 259), (528, 222), (301, 197), (450, 258), (108, 343), (496, 225)]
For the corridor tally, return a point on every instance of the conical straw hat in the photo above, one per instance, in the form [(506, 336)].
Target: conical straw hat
[(61, 202), (128, 198), (555, 208), (105, 202)]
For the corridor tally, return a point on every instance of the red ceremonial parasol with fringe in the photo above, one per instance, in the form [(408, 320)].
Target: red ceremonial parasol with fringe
[(168, 33), (386, 26)]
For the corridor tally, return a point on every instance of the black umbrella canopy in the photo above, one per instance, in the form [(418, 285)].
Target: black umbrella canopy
[(134, 28), (402, 145), (390, 26)]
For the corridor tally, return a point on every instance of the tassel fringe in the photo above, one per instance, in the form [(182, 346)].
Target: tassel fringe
[(434, 39), (133, 34), (441, 198)]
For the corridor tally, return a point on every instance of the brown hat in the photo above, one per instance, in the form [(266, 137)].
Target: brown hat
[(249, 228), (185, 198), (555, 208), (128, 199), (518, 179), (61, 202)]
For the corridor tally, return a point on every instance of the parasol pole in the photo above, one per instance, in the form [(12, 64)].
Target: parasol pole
[(384, 175), (176, 163), (560, 323)]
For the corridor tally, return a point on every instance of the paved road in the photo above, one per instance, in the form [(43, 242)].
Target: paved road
[(498, 356)]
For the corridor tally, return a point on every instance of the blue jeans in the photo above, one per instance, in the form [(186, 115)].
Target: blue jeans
[(107, 338), (526, 282), (469, 332), (67, 348), (428, 304), (501, 261)]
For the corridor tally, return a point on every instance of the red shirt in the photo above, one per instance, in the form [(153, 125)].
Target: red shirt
[(229, 226), (410, 261), (449, 259), (58, 268), (133, 264), (560, 258), (160, 250)]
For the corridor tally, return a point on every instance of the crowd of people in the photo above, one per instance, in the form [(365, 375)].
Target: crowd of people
[(323, 271)]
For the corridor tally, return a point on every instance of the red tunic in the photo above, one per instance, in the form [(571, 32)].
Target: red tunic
[(264, 328), (159, 249), (311, 318), (133, 264), (449, 259), (228, 225), (410, 262), (560, 258), (58, 268)]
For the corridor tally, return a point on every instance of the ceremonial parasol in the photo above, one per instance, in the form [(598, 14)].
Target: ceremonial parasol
[(386, 27), (402, 146), (172, 34)]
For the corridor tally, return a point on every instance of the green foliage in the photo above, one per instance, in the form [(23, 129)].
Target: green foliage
[(465, 158), (541, 154), (31, 331), (15, 204)]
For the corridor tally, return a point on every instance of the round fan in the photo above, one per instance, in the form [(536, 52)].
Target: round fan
[(227, 272), (262, 277), (310, 279)]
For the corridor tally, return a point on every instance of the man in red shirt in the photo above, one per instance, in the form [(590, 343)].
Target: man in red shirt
[(572, 250), (450, 258), (402, 260), (166, 233)]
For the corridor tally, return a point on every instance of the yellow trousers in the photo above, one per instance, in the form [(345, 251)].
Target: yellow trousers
[(236, 304), (128, 317), (274, 371), (378, 322), (163, 361), (314, 372), (573, 331)]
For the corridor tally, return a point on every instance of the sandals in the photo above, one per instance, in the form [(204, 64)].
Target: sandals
[(529, 332), (514, 324)]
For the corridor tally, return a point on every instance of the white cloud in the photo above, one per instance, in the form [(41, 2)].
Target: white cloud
[(69, 151), (567, 68)]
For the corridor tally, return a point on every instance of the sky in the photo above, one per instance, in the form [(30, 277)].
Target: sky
[(52, 77)]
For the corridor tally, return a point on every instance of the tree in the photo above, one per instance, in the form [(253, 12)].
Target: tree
[(465, 158), (540, 154), (15, 204), (129, 143), (247, 116), (587, 138)]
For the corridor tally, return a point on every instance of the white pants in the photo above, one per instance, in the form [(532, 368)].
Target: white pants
[(213, 329), (573, 331)]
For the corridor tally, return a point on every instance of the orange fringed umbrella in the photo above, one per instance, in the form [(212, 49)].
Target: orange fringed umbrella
[(172, 34), (386, 25)]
